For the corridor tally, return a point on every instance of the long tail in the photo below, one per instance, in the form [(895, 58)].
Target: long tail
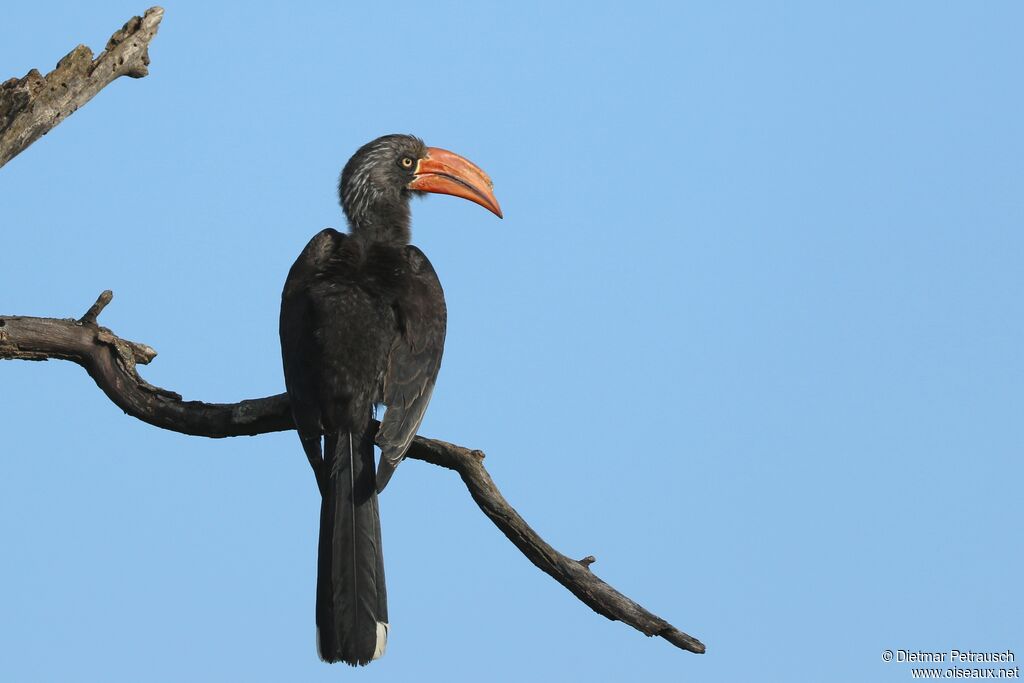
[(351, 600)]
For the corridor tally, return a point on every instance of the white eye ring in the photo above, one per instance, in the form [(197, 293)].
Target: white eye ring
[(406, 162)]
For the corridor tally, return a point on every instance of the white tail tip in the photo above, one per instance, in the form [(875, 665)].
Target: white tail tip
[(382, 640), (378, 649)]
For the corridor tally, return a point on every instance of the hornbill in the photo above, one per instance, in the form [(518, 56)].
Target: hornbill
[(363, 324)]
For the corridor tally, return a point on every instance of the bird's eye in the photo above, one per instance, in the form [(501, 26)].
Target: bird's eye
[(406, 162)]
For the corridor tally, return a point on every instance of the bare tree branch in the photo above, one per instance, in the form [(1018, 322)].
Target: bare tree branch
[(31, 106), (111, 362), (573, 574)]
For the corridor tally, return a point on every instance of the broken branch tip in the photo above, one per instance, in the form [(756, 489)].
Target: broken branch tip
[(94, 311)]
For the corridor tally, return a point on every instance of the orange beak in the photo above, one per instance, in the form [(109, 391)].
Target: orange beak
[(444, 172)]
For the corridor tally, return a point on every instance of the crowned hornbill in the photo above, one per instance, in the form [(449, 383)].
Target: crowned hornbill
[(362, 324)]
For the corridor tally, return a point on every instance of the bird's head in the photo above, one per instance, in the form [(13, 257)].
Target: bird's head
[(379, 179)]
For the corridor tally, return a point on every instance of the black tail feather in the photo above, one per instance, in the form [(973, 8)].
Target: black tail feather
[(351, 599)]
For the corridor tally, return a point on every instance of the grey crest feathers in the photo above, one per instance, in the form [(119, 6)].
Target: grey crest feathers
[(372, 180)]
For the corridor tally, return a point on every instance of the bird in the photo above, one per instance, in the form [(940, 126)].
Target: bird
[(363, 321)]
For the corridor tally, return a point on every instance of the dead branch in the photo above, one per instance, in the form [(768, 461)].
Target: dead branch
[(31, 106), (111, 362)]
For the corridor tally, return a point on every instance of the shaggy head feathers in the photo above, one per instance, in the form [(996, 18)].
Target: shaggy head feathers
[(373, 184)]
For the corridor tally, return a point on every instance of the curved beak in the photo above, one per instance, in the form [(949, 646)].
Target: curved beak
[(444, 172)]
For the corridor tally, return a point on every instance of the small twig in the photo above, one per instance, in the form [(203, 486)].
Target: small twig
[(110, 361), (94, 311)]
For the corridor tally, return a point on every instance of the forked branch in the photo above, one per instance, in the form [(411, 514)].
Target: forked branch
[(111, 362)]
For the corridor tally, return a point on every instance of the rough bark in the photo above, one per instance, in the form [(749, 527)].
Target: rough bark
[(31, 106), (111, 362)]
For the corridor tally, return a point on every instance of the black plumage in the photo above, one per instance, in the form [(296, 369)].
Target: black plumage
[(363, 323)]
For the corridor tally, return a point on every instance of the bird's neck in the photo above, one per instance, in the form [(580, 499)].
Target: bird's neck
[(385, 224)]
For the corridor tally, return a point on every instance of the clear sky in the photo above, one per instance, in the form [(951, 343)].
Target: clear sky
[(750, 333)]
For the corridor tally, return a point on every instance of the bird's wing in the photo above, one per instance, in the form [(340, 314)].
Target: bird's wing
[(413, 362), (299, 348)]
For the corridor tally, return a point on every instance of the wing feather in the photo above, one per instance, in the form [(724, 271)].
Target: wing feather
[(300, 349), (413, 362)]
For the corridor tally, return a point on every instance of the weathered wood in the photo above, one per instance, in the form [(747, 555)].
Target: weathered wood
[(111, 362), (31, 106), (573, 574)]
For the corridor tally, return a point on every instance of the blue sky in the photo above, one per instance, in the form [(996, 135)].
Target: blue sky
[(750, 333)]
